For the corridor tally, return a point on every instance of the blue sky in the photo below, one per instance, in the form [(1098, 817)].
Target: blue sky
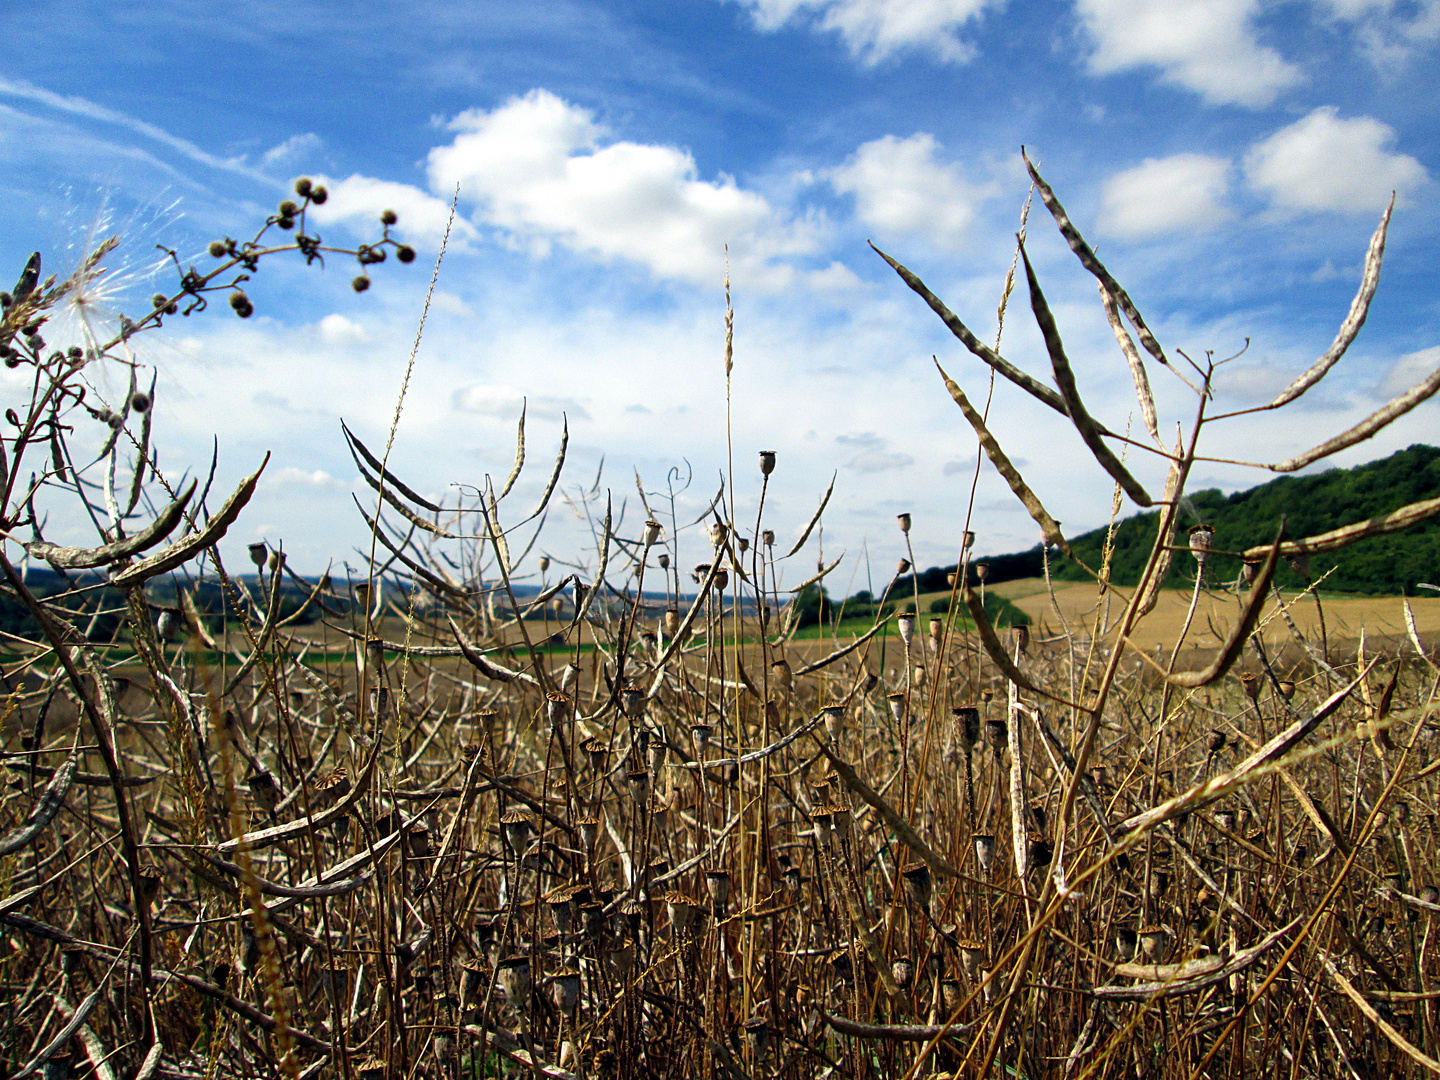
[(1229, 159)]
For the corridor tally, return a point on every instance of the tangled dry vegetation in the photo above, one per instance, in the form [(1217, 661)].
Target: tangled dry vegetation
[(468, 829)]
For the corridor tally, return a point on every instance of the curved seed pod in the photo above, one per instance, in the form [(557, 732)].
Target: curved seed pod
[(188, 547), (487, 668), (1377, 421), (1088, 260), (970, 341), (814, 520), (894, 1032), (1049, 527), (51, 799), (519, 456), (1395, 521), (358, 450), (1132, 357), (813, 578), (1084, 423), (74, 558), (899, 825), (1359, 309), (1259, 590), (1170, 980), (996, 650)]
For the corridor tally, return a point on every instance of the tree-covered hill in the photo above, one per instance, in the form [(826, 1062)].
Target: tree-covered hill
[(1382, 565)]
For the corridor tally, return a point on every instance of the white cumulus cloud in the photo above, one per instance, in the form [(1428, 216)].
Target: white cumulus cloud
[(359, 200), (1389, 32), (1324, 162), (1161, 195), (1208, 46), (541, 169), (876, 29), (506, 403), (338, 330), (900, 186)]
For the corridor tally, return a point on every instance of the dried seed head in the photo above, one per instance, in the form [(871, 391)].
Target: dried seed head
[(780, 674), (902, 567), (918, 884), (997, 734), (719, 532), (717, 884), (834, 720), (513, 975), (904, 520), (967, 725), (982, 572), (562, 908), (653, 532), (632, 702), (1430, 894), (517, 826), (565, 988), (639, 784), (264, 789), (1202, 542), (897, 706), (681, 910), (824, 825), (767, 462), (1125, 942), (664, 560), (700, 732), (937, 630), (902, 970), (1154, 940), (589, 831), (1250, 683), (1216, 741), (722, 580), (757, 1037), (952, 994), (1287, 689), (417, 841), (768, 538), (840, 819), (985, 850), (972, 956), (557, 708), (905, 623), (259, 553), (1020, 634)]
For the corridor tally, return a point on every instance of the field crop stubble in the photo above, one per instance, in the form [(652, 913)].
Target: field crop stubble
[(460, 829)]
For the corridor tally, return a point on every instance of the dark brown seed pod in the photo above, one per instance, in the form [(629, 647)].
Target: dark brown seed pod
[(388, 217), (360, 283)]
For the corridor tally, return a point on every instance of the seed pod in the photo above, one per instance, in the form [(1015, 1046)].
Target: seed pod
[(405, 253), (589, 831), (951, 994), (982, 572), (700, 733), (1153, 940), (653, 533), (1217, 741), (557, 708), (1287, 689), (824, 823), (985, 850), (1250, 683), (318, 195), (767, 462), (632, 702), (972, 955), (681, 910), (781, 676), (717, 884), (1021, 635), (562, 908), (967, 725), (516, 824), (905, 623), (565, 988), (1125, 942), (360, 283), (902, 970), (834, 720), (757, 1038), (264, 790), (1202, 539), (768, 538), (639, 784), (919, 884), (997, 735), (513, 975), (967, 541)]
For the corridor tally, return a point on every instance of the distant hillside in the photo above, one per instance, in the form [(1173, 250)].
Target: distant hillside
[(1381, 565)]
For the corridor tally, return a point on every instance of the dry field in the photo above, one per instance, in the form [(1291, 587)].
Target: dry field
[(407, 843)]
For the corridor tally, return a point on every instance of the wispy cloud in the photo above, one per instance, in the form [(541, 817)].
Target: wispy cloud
[(875, 30)]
